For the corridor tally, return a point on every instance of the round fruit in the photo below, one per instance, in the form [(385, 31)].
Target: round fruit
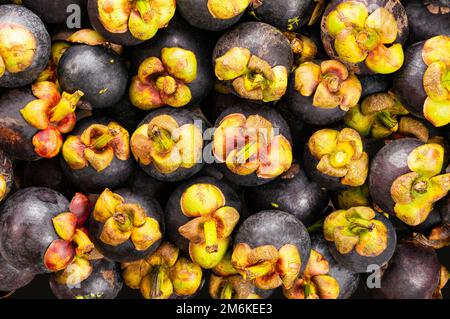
[(11, 278), (51, 11), (126, 226)]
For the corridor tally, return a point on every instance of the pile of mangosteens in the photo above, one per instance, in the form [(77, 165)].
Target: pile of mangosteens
[(224, 149)]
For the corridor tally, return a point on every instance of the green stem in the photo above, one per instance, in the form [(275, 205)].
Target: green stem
[(246, 152), (387, 120), (210, 231), (227, 291), (102, 141)]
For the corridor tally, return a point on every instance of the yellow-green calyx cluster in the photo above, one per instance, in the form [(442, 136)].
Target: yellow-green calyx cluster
[(96, 147), (415, 193), (330, 82), (436, 80), (356, 229), (227, 9), (166, 145), (212, 224), (123, 221), (163, 274), (163, 81), (267, 267), (360, 36), (252, 77), (304, 48), (341, 155), (18, 48), (249, 145), (377, 116), (142, 18), (314, 282)]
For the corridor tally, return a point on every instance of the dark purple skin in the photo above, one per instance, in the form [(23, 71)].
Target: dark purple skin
[(303, 108), (389, 163), (402, 23), (374, 83), (182, 116), (270, 114), (408, 81), (88, 179), (27, 228), (7, 172), (96, 71), (126, 38), (47, 173), (293, 193), (179, 34), (175, 217), (51, 11), (357, 263), (126, 251), (24, 17), (277, 228), (105, 282), (423, 24), (347, 279), (197, 14), (15, 133), (280, 13), (12, 279), (412, 273), (263, 40)]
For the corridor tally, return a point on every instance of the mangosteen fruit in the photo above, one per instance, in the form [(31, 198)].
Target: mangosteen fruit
[(305, 46), (130, 22), (6, 176), (323, 277), (321, 92), (42, 233), (24, 46), (406, 180), (96, 71), (32, 120), (97, 155), (414, 272), (291, 192), (359, 237), (375, 83), (104, 282), (168, 144), (174, 69), (271, 248), (423, 83), (336, 159), (212, 15), (254, 59), (51, 11), (11, 278), (427, 18), (367, 35), (352, 197), (252, 144), (288, 15), (126, 226), (225, 282), (201, 215), (165, 274)]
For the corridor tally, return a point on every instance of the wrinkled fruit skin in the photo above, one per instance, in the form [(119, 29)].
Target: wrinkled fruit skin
[(269, 114), (359, 264), (201, 17), (412, 273), (11, 278), (24, 17), (389, 163), (347, 279), (105, 282), (7, 174), (277, 228), (54, 11), (181, 35), (88, 179), (126, 251), (27, 229), (107, 74), (175, 217), (293, 193)]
